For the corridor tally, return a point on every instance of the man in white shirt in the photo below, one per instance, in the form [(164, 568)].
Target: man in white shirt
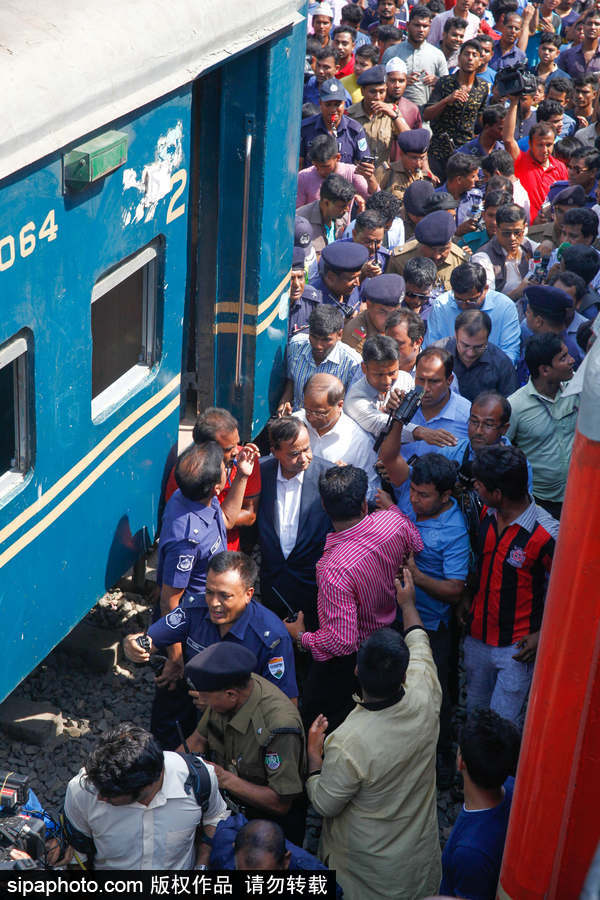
[(368, 399), (461, 11), (134, 806), (334, 436)]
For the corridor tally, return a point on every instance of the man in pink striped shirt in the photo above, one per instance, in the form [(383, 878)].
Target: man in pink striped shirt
[(355, 578), (325, 158)]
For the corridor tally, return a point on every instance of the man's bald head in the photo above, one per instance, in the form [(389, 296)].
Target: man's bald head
[(260, 844), (326, 386), (323, 401)]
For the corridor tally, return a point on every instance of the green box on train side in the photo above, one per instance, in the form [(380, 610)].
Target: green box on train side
[(94, 159)]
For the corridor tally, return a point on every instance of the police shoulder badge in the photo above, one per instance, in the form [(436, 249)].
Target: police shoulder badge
[(185, 563), (272, 761), (175, 618), (277, 667)]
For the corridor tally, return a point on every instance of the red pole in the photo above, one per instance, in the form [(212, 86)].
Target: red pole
[(554, 824)]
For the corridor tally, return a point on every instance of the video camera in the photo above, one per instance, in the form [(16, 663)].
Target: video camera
[(404, 413), (18, 829), (515, 80)]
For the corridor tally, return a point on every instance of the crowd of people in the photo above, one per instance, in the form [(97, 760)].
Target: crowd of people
[(445, 241)]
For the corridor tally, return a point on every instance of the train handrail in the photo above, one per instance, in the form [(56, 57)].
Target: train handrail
[(243, 255)]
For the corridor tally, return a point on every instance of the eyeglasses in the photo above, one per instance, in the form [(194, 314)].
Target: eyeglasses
[(317, 413), (511, 232), (485, 426), (579, 170), (478, 348), (417, 295), (470, 301)]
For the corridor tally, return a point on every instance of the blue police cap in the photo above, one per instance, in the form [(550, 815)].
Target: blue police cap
[(345, 256), (332, 89), (574, 196), (416, 196), (217, 667), (548, 299), (373, 75), (385, 289), (436, 229), (302, 232), (298, 258), (414, 141), (439, 200)]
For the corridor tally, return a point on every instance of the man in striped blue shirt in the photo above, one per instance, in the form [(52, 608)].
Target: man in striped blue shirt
[(321, 350)]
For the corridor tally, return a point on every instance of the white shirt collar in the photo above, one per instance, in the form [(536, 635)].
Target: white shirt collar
[(297, 478)]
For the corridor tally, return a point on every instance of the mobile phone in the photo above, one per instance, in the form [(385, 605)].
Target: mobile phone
[(368, 159)]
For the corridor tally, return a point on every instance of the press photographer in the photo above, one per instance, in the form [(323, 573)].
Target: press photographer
[(537, 169), (29, 837)]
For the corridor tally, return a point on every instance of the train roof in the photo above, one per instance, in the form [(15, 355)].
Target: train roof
[(69, 67)]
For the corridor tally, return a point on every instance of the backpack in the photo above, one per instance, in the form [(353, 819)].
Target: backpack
[(198, 780)]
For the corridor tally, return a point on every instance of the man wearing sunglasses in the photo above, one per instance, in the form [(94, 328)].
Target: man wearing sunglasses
[(420, 275), (470, 291)]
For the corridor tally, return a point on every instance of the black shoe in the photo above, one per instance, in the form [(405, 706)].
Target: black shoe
[(445, 770)]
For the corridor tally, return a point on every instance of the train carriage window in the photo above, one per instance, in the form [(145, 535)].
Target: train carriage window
[(124, 339), (15, 413)]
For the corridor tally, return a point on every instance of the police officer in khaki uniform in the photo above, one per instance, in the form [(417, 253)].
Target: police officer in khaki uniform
[(381, 120), (382, 295), (412, 165), (571, 197), (252, 734), (416, 197), (433, 240)]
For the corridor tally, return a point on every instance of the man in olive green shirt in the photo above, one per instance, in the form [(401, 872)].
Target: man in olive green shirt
[(251, 733), (542, 421), (433, 240), (373, 780)]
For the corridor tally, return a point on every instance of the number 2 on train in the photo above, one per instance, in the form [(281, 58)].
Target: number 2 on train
[(174, 212), (27, 240)]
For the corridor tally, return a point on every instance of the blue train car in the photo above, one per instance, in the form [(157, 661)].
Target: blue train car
[(147, 187)]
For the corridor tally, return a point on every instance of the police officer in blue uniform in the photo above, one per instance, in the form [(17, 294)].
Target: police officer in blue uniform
[(339, 275), (350, 135), (303, 240), (194, 528), (227, 613), (303, 297)]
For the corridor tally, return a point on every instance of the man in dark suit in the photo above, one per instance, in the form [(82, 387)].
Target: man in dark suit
[(292, 523)]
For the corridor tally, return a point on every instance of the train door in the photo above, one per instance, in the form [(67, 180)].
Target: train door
[(244, 161)]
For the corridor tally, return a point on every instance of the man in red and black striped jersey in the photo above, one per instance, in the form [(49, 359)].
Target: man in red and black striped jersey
[(516, 545)]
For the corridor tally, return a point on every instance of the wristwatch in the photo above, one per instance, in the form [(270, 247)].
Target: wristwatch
[(299, 640), (202, 868)]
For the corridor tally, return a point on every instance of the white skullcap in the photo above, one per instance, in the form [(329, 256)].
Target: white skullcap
[(396, 64), (322, 9)]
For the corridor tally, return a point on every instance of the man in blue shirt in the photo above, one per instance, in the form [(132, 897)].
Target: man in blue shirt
[(260, 844), (321, 351), (194, 528), (423, 493), (488, 423), (487, 760), (470, 291), (490, 137), (506, 52), (227, 613), (443, 411)]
